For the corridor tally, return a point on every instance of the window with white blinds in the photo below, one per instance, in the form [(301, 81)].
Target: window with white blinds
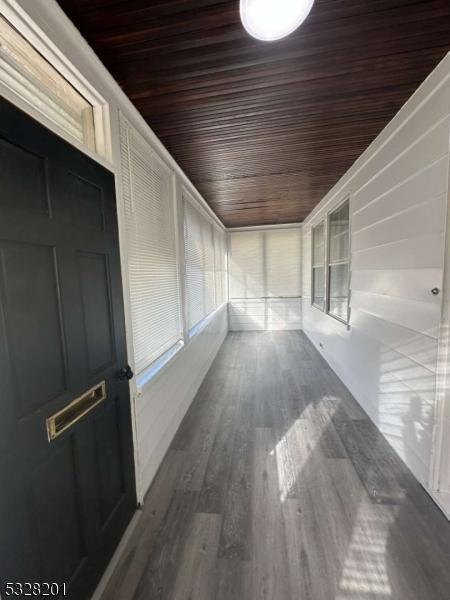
[(205, 257), (265, 263), (220, 256), (151, 231)]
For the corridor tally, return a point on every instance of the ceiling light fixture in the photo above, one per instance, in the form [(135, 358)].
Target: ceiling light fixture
[(270, 20)]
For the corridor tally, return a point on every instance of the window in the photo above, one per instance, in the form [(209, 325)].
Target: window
[(265, 263), (247, 265), (338, 262), (205, 262), (220, 259), (25, 72), (151, 231), (318, 266)]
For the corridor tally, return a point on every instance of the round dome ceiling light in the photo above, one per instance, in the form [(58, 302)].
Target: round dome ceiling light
[(270, 20)]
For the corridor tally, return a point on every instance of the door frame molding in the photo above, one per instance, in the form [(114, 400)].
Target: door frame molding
[(23, 23), (440, 459)]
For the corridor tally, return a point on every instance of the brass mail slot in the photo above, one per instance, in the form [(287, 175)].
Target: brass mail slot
[(71, 413)]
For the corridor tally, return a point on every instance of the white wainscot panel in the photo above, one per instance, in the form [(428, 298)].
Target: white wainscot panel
[(165, 399), (265, 314)]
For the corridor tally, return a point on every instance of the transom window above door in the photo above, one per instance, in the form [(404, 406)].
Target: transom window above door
[(38, 85)]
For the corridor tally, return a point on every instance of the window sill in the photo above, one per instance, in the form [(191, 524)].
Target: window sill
[(160, 364), (143, 378), (200, 326), (346, 324), (317, 307), (335, 319)]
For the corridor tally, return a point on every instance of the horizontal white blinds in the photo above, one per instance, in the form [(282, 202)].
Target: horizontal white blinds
[(205, 257), (150, 220), (220, 254), (247, 265), (283, 263), (265, 264)]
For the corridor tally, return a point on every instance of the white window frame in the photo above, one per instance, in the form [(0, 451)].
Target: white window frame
[(326, 262), (186, 196), (341, 262), (159, 362), (323, 222), (34, 35)]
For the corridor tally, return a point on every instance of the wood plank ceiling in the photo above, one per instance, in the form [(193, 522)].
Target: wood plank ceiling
[(264, 130)]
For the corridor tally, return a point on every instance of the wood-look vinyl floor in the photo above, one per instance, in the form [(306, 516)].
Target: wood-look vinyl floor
[(278, 487)]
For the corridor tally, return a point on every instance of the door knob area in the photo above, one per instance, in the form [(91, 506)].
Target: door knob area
[(125, 373)]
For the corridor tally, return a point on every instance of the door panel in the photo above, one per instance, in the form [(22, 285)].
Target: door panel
[(109, 464), (54, 500), (85, 204), (34, 332), (23, 179), (64, 503), (95, 301)]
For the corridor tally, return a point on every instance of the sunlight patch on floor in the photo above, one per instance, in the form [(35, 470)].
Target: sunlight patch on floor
[(295, 443), (365, 574)]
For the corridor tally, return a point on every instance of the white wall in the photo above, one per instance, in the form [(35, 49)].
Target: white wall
[(398, 190), (159, 408)]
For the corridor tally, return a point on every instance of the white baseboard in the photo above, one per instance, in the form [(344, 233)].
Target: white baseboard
[(442, 499)]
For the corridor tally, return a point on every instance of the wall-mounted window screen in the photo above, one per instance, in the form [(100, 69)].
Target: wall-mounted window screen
[(265, 264), (29, 75), (318, 266), (204, 262), (338, 262), (153, 270)]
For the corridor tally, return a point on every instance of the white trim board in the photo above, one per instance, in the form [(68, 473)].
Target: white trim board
[(440, 464), (34, 35)]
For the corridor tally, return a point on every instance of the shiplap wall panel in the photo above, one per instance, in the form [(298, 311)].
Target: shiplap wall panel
[(418, 316), (430, 214), (429, 148), (399, 191), (418, 252), (401, 283), (428, 183), (407, 342)]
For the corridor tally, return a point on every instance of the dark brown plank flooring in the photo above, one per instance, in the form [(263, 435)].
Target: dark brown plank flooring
[(276, 487)]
